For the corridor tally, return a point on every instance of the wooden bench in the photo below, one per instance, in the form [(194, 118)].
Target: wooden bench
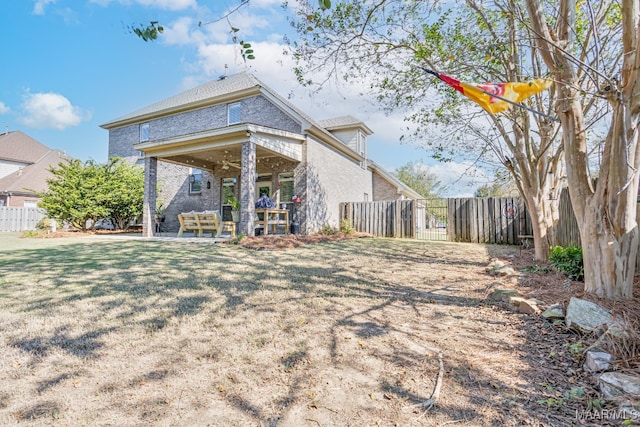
[(229, 226), (200, 222)]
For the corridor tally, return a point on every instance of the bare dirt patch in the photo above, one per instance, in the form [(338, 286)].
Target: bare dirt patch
[(343, 332)]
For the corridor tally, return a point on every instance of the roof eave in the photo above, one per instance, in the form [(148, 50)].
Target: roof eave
[(334, 142), (359, 125), (403, 189), (233, 96)]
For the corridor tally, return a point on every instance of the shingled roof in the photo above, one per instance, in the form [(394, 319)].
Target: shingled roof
[(344, 122), (228, 89), (210, 93), (33, 178), (18, 147)]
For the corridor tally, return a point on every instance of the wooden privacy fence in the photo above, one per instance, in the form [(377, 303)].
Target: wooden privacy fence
[(487, 220), (478, 220), (492, 220), (566, 231), (19, 219), (395, 218)]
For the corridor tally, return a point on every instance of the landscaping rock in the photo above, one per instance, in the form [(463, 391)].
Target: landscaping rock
[(555, 311), (501, 293), (529, 307), (495, 263), (597, 361), (499, 268), (513, 300), (616, 330), (504, 271), (586, 315), (614, 384), (523, 305)]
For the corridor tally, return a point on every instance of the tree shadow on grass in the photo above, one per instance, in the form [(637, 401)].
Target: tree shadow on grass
[(83, 346), (177, 282)]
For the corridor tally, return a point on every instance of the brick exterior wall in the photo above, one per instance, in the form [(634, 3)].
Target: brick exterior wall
[(173, 180), (18, 201), (324, 177), (149, 202), (383, 190), (256, 110)]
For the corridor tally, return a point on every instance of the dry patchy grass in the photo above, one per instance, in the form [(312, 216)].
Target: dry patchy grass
[(128, 333)]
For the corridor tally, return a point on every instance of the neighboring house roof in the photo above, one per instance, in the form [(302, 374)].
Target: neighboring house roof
[(33, 178), (344, 122), (18, 147), (403, 189)]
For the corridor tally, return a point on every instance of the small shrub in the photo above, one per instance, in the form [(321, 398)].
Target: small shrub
[(328, 230), (31, 233), (569, 261), (45, 224), (238, 239), (346, 227)]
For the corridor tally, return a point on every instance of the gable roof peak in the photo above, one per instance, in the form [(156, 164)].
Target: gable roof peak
[(344, 122), (20, 147), (204, 94)]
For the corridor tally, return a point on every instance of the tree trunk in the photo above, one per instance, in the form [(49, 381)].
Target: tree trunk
[(607, 215), (609, 259), (544, 217)]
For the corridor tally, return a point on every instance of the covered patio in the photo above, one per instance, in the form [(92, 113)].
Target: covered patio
[(250, 150)]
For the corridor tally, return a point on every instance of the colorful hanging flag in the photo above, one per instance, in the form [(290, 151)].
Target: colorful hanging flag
[(495, 97)]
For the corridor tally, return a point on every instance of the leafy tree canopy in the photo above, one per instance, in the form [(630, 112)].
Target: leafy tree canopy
[(82, 193), (418, 177)]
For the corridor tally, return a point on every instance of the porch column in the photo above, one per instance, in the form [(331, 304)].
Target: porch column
[(248, 188), (149, 204)]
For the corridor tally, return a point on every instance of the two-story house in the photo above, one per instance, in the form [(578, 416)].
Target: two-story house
[(235, 136)]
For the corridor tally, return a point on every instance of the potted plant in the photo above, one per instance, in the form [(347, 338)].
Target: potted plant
[(160, 213), (235, 208)]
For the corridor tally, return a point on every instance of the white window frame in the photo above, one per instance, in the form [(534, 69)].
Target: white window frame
[(234, 113), (144, 132)]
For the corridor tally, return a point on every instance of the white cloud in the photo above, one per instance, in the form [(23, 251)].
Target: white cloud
[(3, 108), (38, 7), (51, 111), (158, 4), (183, 31)]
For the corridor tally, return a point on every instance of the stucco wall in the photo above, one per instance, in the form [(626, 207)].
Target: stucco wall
[(331, 178)]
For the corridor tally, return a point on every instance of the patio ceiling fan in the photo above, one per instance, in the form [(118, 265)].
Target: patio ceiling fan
[(226, 164)]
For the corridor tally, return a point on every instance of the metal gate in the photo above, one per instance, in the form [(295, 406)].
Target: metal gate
[(431, 219)]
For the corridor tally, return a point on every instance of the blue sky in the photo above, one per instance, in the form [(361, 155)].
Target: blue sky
[(71, 65)]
